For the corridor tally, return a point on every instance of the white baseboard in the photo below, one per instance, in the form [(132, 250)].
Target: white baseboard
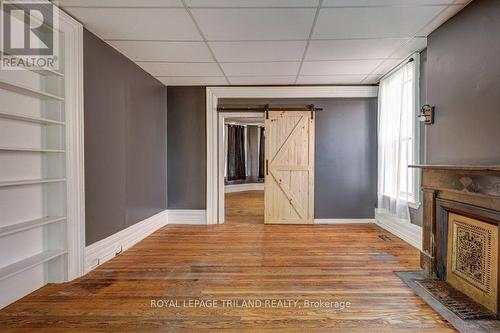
[(105, 249), (343, 221), (243, 187), (186, 216), (410, 233)]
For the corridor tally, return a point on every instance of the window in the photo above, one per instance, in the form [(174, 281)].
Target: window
[(398, 139)]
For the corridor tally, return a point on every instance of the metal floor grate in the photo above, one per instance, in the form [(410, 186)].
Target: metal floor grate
[(384, 238), (457, 302)]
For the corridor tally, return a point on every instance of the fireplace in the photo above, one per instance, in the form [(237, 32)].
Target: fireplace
[(461, 210)]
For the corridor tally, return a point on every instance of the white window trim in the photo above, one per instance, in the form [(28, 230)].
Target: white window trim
[(416, 125)]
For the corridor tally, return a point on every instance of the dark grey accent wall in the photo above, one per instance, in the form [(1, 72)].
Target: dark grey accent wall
[(346, 158), (463, 82), (346, 154), (186, 128), (125, 148), (423, 101)]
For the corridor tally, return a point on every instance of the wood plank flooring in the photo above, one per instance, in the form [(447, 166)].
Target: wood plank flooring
[(242, 260), (244, 207)]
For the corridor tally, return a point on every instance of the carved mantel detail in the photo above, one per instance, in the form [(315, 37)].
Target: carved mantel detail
[(453, 249)]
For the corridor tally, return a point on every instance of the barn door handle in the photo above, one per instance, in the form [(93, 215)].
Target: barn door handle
[(267, 167)]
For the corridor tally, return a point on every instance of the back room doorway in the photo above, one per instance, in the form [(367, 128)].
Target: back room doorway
[(241, 145)]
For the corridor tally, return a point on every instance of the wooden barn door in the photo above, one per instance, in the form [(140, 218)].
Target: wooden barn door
[(289, 179)]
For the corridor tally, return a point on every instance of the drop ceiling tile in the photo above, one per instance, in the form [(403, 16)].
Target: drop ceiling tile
[(372, 79), (255, 24), (261, 80), (353, 49), (260, 68), (341, 67), (138, 23), (413, 45), (375, 22), (192, 81), (349, 3), (330, 79), (252, 3), (258, 51), (164, 51), (181, 69), (443, 17), (120, 3)]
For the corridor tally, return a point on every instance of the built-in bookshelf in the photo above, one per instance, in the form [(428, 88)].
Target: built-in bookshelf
[(32, 175)]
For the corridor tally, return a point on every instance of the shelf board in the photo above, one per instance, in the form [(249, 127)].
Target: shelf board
[(31, 150), (20, 89), (39, 70), (42, 121), (18, 227), (31, 182), (46, 72), (25, 264)]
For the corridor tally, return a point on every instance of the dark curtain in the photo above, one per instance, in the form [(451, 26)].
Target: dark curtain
[(236, 153), (261, 153)]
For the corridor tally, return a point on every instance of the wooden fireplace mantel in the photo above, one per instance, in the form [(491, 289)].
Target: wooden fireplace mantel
[(475, 187), (494, 168)]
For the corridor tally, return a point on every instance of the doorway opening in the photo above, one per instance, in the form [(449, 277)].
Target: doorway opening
[(242, 147), (215, 124)]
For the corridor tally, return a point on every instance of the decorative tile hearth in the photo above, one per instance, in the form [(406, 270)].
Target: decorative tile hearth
[(457, 308), (457, 302)]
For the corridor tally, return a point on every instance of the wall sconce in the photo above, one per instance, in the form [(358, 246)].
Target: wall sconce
[(426, 114)]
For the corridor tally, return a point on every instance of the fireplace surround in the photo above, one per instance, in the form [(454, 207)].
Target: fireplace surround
[(461, 221)]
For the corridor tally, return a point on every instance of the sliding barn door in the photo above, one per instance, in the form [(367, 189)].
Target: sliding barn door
[(289, 185)]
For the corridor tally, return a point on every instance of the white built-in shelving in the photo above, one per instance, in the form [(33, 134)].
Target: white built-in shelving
[(39, 70), (35, 120), (46, 72), (31, 150), (30, 262), (24, 182), (41, 159), (28, 91), (31, 224)]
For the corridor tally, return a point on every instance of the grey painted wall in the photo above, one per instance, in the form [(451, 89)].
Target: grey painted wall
[(186, 128), (346, 136), (125, 149), (463, 82), (346, 154)]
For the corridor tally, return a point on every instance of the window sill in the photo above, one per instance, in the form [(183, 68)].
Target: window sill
[(414, 205)]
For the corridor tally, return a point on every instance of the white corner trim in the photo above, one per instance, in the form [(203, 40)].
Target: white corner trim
[(343, 221), (74, 135), (410, 233), (244, 187), (186, 216), (215, 193), (105, 249)]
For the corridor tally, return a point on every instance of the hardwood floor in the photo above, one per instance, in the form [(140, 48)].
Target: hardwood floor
[(244, 207), (241, 260)]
